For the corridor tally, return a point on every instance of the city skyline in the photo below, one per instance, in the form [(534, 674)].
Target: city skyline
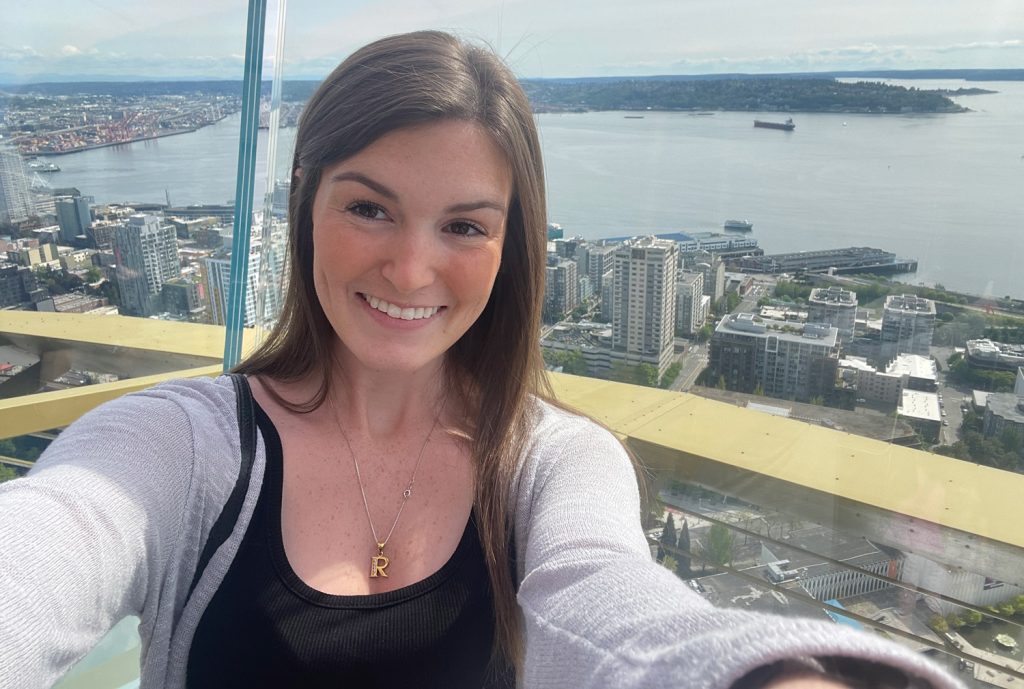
[(205, 40)]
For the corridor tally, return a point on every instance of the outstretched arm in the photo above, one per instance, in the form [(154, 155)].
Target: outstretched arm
[(84, 538), (599, 612)]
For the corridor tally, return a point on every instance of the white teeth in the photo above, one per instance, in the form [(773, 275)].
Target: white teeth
[(411, 313)]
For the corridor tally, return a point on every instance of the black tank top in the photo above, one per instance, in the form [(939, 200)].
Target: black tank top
[(265, 627)]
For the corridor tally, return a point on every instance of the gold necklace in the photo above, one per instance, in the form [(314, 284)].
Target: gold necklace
[(379, 562)]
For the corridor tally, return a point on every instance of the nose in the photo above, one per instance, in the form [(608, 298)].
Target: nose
[(412, 259)]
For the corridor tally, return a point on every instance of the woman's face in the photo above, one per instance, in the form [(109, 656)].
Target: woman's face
[(407, 239)]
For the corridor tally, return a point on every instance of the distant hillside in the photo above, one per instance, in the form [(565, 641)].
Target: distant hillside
[(781, 94), (804, 92)]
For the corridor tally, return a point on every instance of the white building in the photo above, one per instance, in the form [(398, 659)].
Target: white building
[(599, 263), (561, 288), (908, 323), (644, 305), (691, 303), (833, 306), (146, 252), (16, 202), (906, 372), (922, 410), (217, 276), (976, 589)]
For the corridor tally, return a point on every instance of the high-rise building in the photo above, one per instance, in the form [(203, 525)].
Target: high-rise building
[(908, 322), (218, 284), (561, 289), (644, 305), (16, 202), (690, 303), (782, 359), (600, 264), (146, 252), (713, 269), (73, 216), (833, 306)]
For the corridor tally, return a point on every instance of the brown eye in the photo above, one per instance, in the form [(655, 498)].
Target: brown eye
[(465, 229), (368, 210)]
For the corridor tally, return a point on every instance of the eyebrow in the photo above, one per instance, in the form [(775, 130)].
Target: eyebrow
[(389, 194)]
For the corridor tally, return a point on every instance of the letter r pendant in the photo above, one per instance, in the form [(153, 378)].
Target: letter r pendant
[(379, 563)]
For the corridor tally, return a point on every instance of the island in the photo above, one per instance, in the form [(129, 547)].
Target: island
[(752, 94)]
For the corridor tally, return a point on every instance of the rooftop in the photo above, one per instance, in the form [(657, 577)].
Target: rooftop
[(920, 405), (1007, 405), (913, 365), (755, 326), (833, 295), (909, 302)]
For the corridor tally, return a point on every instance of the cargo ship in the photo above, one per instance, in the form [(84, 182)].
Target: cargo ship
[(739, 225), (785, 126)]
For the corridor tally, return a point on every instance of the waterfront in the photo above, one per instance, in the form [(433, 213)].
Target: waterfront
[(944, 189)]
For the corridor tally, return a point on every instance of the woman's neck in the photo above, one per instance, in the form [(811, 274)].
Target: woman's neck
[(386, 404)]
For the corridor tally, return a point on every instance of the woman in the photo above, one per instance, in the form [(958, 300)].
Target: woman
[(419, 512)]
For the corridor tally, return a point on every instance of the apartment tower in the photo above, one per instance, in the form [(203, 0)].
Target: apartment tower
[(644, 304)]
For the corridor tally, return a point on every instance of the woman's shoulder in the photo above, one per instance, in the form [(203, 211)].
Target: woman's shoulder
[(560, 437)]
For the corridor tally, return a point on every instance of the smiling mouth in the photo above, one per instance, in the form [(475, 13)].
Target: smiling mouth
[(409, 313)]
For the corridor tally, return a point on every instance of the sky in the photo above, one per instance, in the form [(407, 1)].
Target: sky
[(73, 40)]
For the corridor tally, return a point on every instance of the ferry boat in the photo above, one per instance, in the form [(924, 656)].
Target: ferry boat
[(739, 225), (785, 126), (39, 166)]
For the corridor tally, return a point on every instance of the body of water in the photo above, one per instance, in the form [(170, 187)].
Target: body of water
[(947, 190)]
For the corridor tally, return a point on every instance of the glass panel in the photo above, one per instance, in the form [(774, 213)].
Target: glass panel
[(117, 173)]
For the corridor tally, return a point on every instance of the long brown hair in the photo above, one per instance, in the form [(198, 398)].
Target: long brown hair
[(496, 366)]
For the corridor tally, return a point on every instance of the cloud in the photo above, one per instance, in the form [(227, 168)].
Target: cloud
[(980, 45), (70, 50)]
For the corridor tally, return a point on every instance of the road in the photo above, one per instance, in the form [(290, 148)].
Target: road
[(693, 361), (950, 399)]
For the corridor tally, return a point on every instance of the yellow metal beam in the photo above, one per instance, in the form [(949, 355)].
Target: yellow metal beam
[(147, 334), (939, 490), (46, 410)]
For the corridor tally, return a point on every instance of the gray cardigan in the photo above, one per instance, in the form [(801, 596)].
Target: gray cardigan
[(112, 519)]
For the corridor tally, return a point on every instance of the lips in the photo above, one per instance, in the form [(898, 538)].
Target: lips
[(405, 313)]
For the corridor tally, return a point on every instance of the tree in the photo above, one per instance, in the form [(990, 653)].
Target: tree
[(668, 538), (1018, 604), (670, 564), (721, 383), (7, 473), (683, 551), (670, 375), (719, 550), (972, 617)]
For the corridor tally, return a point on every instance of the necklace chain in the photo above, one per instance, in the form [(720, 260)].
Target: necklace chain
[(380, 562)]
